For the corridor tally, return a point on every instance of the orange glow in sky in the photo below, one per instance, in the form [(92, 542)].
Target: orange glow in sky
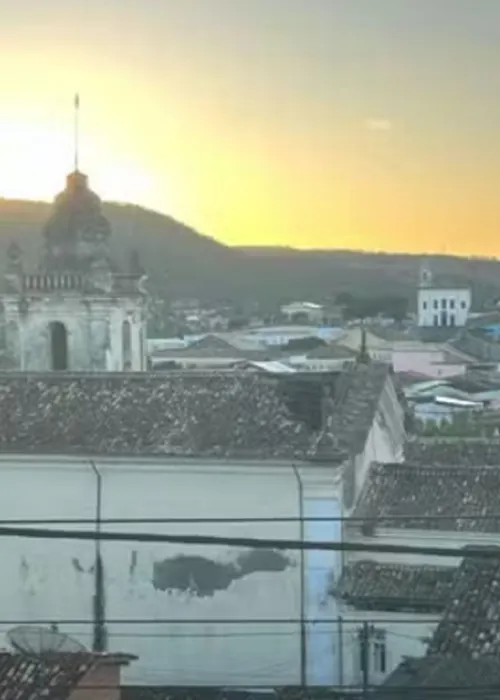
[(307, 123)]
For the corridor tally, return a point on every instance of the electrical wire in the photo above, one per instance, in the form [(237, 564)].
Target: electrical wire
[(481, 517), (471, 551)]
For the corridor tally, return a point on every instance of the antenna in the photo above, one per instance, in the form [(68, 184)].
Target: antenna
[(76, 129), (35, 642)]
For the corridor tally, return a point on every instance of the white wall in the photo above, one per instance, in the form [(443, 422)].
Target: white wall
[(54, 580), (430, 306)]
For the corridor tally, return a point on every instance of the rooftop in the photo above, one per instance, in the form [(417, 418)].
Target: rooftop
[(420, 497), (470, 626), (357, 396), (454, 452), (442, 673), (207, 414), (52, 677), (370, 585)]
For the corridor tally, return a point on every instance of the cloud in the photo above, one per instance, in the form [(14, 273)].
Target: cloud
[(378, 124)]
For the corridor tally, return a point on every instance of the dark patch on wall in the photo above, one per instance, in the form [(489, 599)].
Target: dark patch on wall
[(202, 577)]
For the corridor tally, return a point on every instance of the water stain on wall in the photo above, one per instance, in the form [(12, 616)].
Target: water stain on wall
[(202, 577)]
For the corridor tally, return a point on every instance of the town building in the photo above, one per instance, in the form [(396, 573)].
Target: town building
[(441, 305), (195, 453), (76, 312), (304, 310), (464, 649), (400, 598), (406, 352), (332, 357)]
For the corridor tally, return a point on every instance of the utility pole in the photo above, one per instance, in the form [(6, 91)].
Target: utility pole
[(340, 639), (99, 642)]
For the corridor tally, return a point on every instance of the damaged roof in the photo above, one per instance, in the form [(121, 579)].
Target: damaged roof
[(420, 497), (211, 414), (371, 585)]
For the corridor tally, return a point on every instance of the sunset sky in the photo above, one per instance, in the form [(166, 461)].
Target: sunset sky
[(312, 123)]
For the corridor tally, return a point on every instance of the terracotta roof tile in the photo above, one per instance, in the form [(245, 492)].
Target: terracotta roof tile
[(370, 585), (429, 498)]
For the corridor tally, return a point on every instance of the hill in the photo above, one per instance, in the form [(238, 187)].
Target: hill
[(183, 263)]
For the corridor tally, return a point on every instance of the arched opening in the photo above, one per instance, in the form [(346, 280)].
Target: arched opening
[(127, 345), (59, 346)]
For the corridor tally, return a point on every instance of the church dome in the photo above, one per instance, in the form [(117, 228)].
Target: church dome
[(77, 232)]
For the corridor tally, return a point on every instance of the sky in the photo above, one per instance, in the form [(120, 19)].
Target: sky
[(370, 124)]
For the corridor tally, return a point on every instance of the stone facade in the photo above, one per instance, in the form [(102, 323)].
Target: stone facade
[(76, 312)]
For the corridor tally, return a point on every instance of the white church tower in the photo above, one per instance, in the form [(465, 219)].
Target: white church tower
[(77, 311), (441, 305)]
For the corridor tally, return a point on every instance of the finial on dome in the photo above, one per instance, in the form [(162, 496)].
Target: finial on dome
[(76, 130)]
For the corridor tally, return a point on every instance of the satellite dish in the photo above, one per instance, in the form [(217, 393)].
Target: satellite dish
[(35, 641)]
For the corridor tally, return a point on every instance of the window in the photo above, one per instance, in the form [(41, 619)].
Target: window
[(443, 303), (436, 320), (444, 318), (372, 651), (424, 305), (452, 319), (435, 304), (463, 305), (452, 303), (379, 651), (58, 346)]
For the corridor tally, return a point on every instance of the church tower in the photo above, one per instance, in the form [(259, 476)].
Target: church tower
[(77, 311)]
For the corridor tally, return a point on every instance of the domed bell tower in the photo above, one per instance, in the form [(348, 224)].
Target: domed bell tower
[(78, 311)]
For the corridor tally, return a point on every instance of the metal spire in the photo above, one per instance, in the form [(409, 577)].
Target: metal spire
[(76, 129)]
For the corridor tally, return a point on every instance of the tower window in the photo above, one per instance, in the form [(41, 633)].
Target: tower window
[(59, 346)]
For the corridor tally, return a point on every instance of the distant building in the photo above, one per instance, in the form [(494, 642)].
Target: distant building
[(314, 313), (441, 306), (77, 311)]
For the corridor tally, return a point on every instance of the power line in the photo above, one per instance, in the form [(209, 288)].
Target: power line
[(244, 621), (470, 551), (236, 520)]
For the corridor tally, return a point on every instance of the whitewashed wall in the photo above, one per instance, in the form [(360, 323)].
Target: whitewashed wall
[(54, 580)]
